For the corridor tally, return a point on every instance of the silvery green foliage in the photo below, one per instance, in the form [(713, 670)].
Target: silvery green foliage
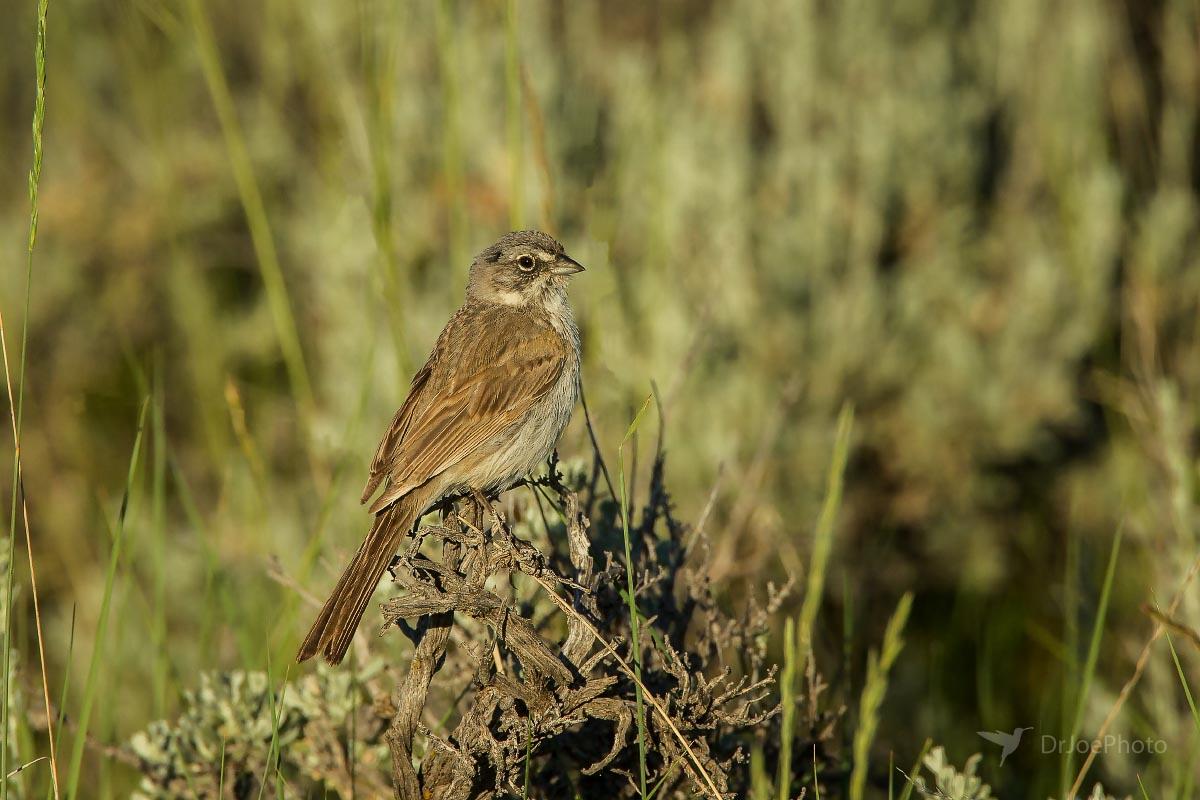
[(237, 727), (1098, 793), (949, 783)]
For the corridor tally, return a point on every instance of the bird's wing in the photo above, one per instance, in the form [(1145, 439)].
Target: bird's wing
[(995, 737), (395, 432), (483, 386)]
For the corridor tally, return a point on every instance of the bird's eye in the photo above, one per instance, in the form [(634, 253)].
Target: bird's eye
[(525, 263)]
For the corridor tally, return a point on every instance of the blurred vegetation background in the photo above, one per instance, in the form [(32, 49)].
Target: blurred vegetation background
[(975, 222)]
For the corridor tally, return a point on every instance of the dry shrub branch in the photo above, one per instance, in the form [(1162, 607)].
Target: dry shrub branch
[(554, 699)]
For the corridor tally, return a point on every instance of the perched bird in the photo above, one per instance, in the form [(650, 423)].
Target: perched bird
[(485, 410)]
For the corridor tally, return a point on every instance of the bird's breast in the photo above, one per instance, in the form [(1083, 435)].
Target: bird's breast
[(527, 444)]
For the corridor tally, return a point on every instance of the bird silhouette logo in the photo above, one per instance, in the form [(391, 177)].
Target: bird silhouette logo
[(1007, 741)]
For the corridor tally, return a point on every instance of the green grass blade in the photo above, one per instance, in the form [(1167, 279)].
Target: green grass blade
[(1070, 643), (1083, 678), (162, 665), (512, 117), (63, 695), (637, 420), (446, 27), (262, 240), (1089, 668), (873, 693), (90, 686), (276, 714), (668, 773), (916, 768), (221, 776), (231, 605), (823, 537), (798, 636), (631, 599), (760, 784), (1187, 691), (379, 57), (17, 402), (787, 691)]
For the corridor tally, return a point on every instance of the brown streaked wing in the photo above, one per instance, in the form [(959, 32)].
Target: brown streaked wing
[(473, 408), (396, 430)]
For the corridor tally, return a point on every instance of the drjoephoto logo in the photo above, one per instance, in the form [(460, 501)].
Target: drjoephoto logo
[(1111, 743), (1048, 745)]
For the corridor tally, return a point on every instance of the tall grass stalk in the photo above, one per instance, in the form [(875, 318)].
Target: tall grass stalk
[(798, 637), (337, 477), (792, 657), (823, 536), (452, 157), (230, 605), (379, 55), (1070, 645), (1187, 691), (1078, 680), (92, 683), (62, 699), (1139, 668), (873, 693), (635, 643), (1089, 667), (276, 713), (263, 241), (512, 117), (760, 784), (16, 406), (1187, 776), (916, 768), (158, 479), (666, 776)]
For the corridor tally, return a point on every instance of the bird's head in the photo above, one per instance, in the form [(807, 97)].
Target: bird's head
[(522, 268)]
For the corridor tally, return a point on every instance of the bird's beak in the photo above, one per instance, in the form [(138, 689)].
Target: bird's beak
[(565, 265)]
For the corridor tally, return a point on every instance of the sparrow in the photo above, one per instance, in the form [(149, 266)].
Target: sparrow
[(486, 409)]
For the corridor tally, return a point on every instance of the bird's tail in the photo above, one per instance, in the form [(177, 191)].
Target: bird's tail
[(335, 626)]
